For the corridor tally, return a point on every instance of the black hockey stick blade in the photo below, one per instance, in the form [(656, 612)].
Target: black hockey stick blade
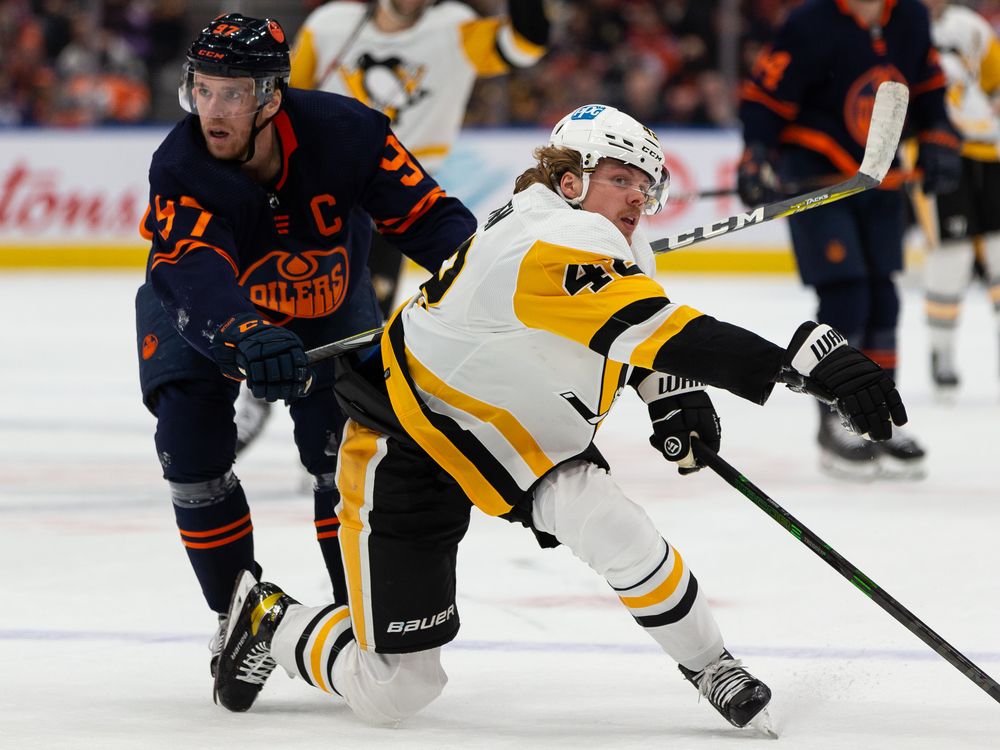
[(888, 115), (357, 341), (863, 583)]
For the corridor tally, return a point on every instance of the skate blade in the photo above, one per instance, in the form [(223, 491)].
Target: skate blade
[(854, 471), (897, 469), (946, 395), (762, 723)]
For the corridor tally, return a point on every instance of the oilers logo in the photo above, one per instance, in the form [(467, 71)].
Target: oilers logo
[(860, 99), (389, 85), (587, 112), (309, 284)]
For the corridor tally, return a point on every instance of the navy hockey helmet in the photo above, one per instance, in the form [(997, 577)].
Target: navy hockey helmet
[(238, 46)]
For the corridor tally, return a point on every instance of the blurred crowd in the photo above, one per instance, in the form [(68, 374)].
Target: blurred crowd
[(668, 62)]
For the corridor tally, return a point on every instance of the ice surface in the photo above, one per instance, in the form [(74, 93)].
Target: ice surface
[(103, 631)]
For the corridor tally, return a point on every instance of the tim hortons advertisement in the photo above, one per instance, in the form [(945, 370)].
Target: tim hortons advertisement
[(75, 198)]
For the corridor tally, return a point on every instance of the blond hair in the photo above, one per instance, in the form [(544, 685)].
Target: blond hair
[(553, 163)]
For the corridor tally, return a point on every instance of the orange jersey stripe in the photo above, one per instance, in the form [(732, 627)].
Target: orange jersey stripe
[(393, 226), (750, 91)]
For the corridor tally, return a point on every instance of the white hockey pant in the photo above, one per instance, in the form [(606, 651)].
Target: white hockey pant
[(381, 689), (581, 506)]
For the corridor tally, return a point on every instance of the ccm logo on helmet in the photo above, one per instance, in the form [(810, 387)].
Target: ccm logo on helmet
[(588, 112)]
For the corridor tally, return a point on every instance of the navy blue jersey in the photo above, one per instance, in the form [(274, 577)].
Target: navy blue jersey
[(812, 90), (294, 251)]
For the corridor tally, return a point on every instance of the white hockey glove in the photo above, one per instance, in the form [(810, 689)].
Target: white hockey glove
[(819, 362), (678, 409)]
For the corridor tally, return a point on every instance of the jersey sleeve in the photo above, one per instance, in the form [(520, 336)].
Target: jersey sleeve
[(770, 97), (927, 110), (495, 45), (411, 210), (193, 265), (989, 68), (303, 75), (608, 305)]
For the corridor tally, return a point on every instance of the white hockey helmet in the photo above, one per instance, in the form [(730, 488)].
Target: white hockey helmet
[(597, 131)]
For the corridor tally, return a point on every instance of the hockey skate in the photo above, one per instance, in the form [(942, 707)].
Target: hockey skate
[(735, 693), (944, 375), (245, 662), (901, 456), (215, 643), (251, 416), (844, 454)]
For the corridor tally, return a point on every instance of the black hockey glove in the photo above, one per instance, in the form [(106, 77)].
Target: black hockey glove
[(755, 179), (678, 409), (819, 362), (939, 161), (271, 359)]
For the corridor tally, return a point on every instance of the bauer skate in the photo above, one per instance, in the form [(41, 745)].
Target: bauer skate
[(245, 662), (215, 644), (740, 697)]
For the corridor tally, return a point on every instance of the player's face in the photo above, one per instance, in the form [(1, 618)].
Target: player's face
[(936, 7), (617, 192), (868, 11), (409, 9), (227, 108)]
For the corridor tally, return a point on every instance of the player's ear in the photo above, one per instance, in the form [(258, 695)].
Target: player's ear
[(571, 185), (271, 108)]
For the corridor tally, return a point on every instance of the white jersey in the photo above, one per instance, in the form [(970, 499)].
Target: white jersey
[(421, 77), (505, 364), (970, 58)]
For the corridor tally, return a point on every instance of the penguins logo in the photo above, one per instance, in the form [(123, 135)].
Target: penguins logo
[(391, 85)]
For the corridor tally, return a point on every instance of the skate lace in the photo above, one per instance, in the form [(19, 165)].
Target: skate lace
[(257, 665), (722, 680)]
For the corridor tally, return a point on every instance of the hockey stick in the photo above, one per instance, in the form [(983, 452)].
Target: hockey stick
[(357, 341), (886, 126), (863, 583), (888, 114)]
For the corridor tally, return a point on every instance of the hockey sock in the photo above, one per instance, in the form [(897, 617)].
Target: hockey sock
[(668, 605), (308, 640), (214, 522), (326, 497), (992, 254), (880, 347), (947, 274)]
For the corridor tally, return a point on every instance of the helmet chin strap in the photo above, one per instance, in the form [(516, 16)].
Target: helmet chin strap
[(255, 130), (575, 202)]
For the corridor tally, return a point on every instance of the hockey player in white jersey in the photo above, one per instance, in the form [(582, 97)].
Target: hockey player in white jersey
[(970, 58), (416, 62), (488, 390)]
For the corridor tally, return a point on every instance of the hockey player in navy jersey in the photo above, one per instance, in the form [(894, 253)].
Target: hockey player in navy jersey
[(261, 205), (805, 112), (492, 384)]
